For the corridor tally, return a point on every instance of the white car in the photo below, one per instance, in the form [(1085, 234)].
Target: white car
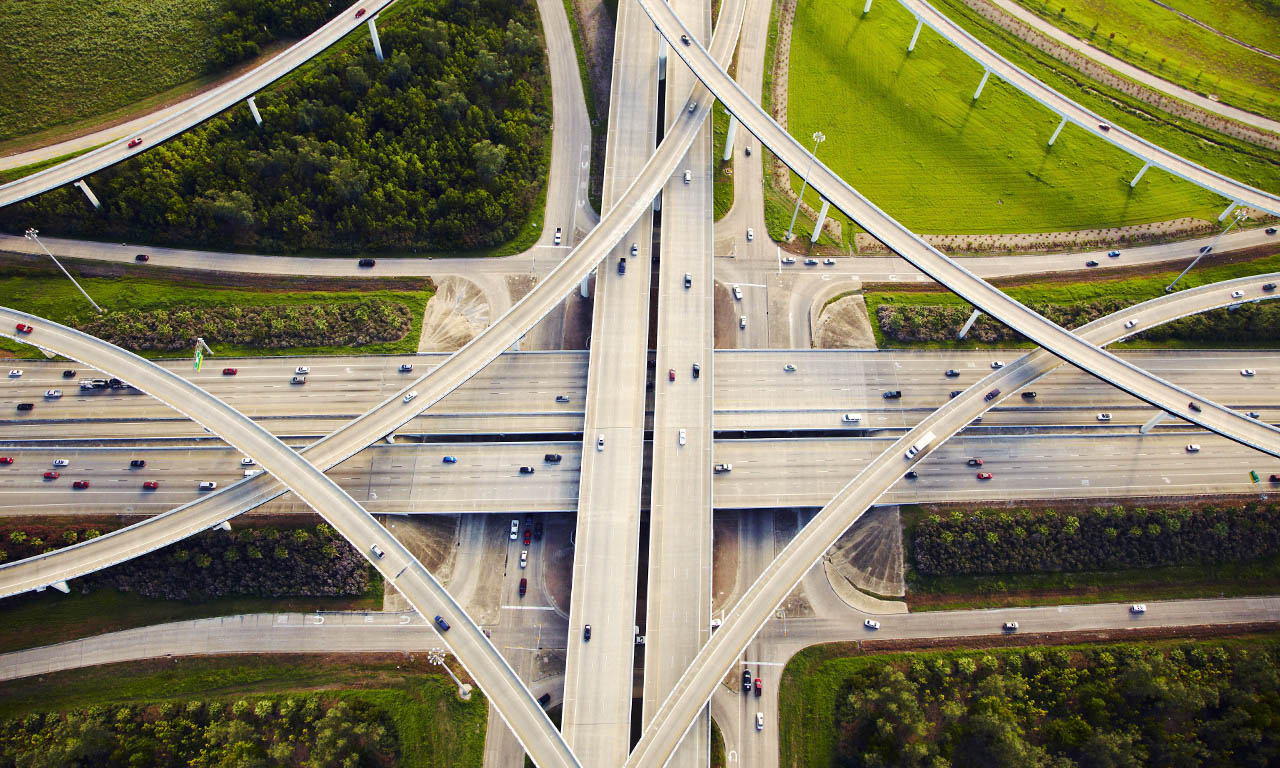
[(851, 418), (996, 365), (1138, 608), (759, 721), (15, 373), (742, 321), (515, 529), (871, 624), (557, 237), (1193, 447), (682, 438), (789, 260), (1131, 323), (252, 472), (302, 369), (524, 558), (688, 176), (600, 443), (737, 293), (53, 394), (410, 396), (246, 462), (1247, 372), (1104, 417), (207, 485), (751, 234), (61, 462), (724, 467), (789, 368), (1237, 294)]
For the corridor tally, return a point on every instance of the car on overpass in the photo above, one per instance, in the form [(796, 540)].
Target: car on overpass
[(24, 328), (449, 460), (984, 475)]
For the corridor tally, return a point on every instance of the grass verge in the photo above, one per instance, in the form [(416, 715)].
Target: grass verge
[(988, 165), (434, 728), (53, 297), (1131, 289), (723, 175)]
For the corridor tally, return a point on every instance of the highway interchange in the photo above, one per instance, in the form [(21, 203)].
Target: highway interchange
[(607, 393)]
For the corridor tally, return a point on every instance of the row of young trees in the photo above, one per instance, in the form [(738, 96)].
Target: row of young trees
[(1119, 706), (439, 147), (908, 323), (332, 323), (300, 731), (250, 561), (989, 541)]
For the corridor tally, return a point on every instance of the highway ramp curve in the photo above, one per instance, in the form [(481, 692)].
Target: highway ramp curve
[(397, 564), (757, 604)]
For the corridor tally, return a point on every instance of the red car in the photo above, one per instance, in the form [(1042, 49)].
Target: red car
[(359, 13), (230, 371), (671, 374), (528, 536), (80, 484), (759, 687), (135, 142), (150, 485), (50, 475), (984, 475), (24, 328), (524, 586), (6, 459), (975, 462)]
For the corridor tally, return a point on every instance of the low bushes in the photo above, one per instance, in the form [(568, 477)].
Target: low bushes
[(349, 323), (986, 542), (304, 730)]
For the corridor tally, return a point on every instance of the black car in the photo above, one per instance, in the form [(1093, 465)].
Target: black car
[(1206, 248), (142, 257), (1194, 406), (586, 632), (1270, 230), (137, 464), (68, 374), (992, 395), (1028, 395), (955, 393), (552, 458), (526, 470), (912, 475), (622, 265), (367, 262), (746, 680), (892, 394), (26, 406), (952, 372), (544, 699), (697, 370), (1269, 286), (1091, 263)]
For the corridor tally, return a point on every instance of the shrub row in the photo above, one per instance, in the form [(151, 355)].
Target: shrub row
[(1100, 539), (346, 323), (277, 731), (1120, 705), (909, 323), (246, 26)]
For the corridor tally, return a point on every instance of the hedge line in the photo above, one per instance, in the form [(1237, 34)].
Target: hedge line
[(987, 542)]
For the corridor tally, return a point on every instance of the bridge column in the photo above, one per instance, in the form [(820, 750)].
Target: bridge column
[(914, 35), (866, 8), (728, 140), (62, 587), (1057, 131), (1229, 209), (986, 73), (373, 35), (253, 107), (84, 187), (822, 217), (1152, 422), (584, 288), (225, 525), (973, 318), (1134, 183), (662, 58)]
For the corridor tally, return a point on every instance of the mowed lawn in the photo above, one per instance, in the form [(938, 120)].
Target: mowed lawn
[(904, 130), (64, 60), (1165, 44)]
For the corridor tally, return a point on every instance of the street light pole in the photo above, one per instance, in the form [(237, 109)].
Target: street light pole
[(1239, 217), (32, 234), (818, 138), (436, 656)]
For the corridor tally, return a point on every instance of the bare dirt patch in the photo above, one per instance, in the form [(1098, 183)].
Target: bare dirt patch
[(725, 537), (455, 315), (869, 554), (845, 324), (725, 318), (431, 539)]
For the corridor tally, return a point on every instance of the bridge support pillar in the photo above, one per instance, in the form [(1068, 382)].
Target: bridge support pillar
[(373, 35), (986, 73), (253, 107), (1228, 210), (866, 8), (62, 587), (914, 35), (973, 318), (662, 58), (1152, 422), (1057, 131), (1134, 183), (584, 288), (225, 525), (822, 217), (728, 141), (84, 187)]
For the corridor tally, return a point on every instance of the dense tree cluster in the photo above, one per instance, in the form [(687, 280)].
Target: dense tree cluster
[(338, 323), (907, 323), (303, 730), (1103, 707), (439, 147), (246, 26), (1100, 539), (250, 561)]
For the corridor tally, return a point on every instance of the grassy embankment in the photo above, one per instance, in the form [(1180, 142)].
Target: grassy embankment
[(52, 296), (1172, 48), (433, 727), (68, 60), (904, 130), (1132, 290), (957, 593)]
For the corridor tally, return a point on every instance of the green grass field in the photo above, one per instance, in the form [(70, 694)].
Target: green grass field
[(434, 728), (903, 129), (722, 181), (1253, 21), (65, 60), (56, 299), (1163, 43)]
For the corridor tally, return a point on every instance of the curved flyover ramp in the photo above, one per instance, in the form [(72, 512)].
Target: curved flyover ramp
[(505, 689)]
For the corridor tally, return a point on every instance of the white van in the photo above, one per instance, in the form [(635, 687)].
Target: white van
[(851, 418), (208, 485)]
